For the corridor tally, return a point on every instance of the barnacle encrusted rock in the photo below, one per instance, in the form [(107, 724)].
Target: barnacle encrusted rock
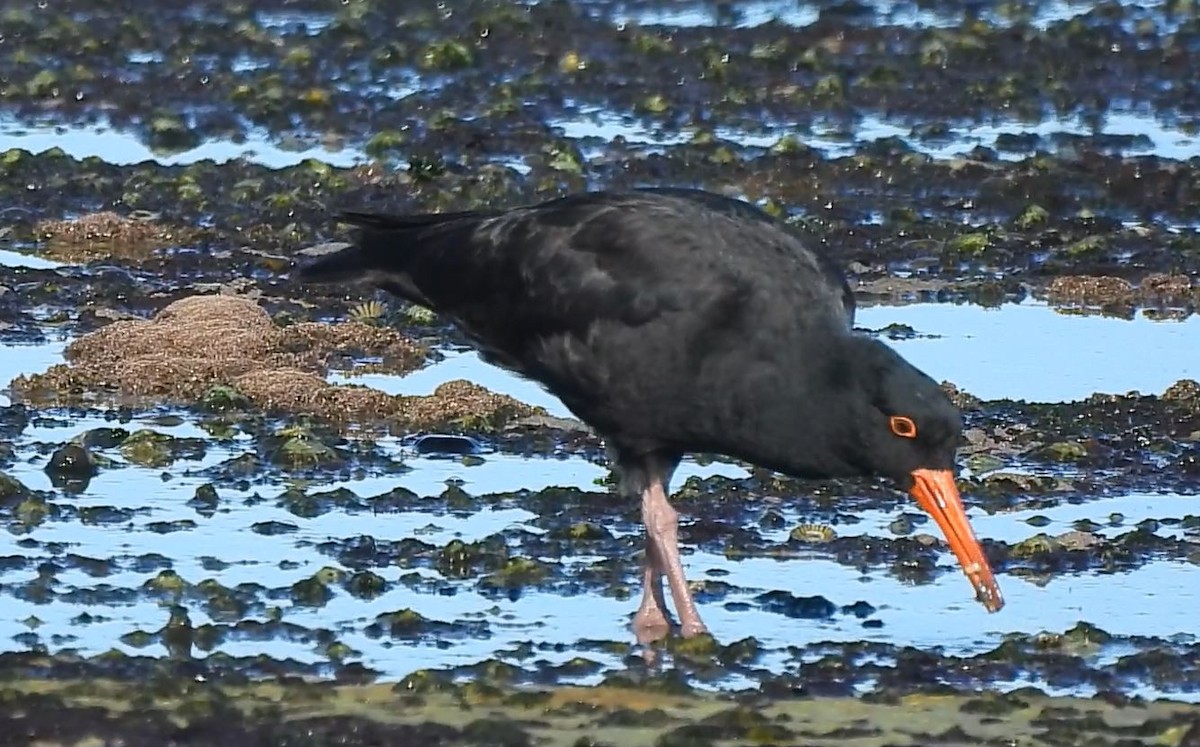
[(201, 342), (1103, 289), (107, 234), (1155, 288)]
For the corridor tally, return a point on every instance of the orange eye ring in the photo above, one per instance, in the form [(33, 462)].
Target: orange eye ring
[(902, 426)]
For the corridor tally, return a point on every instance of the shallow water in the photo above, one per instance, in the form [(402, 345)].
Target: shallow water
[(1019, 351), (935, 614), (309, 23), (1115, 515), (10, 258), (834, 138), (460, 364), (1032, 352), (751, 13), (255, 557), (1027, 351), (18, 359), (123, 148), (879, 12), (1163, 137)]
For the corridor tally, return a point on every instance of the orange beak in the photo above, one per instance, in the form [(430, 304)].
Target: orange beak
[(936, 492)]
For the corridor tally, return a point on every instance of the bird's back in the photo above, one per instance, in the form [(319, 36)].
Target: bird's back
[(614, 300)]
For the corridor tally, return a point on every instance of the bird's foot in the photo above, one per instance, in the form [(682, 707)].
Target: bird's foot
[(650, 624), (692, 628)]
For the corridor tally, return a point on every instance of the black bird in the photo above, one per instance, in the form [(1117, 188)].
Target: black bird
[(676, 321)]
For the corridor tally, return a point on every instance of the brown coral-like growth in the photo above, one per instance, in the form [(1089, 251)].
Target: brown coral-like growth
[(107, 234), (1155, 289), (1167, 289), (468, 405), (1184, 390), (963, 400), (293, 390), (199, 342), (1097, 289)]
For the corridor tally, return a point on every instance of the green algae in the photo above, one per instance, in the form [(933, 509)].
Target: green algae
[(427, 707), (516, 573), (148, 448), (223, 398)]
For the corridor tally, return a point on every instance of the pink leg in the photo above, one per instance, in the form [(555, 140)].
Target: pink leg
[(662, 531), (651, 622)]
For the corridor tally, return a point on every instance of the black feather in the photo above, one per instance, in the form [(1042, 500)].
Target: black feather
[(671, 320)]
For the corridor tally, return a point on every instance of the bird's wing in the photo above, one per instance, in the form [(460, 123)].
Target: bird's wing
[(743, 212), (562, 266), (540, 266)]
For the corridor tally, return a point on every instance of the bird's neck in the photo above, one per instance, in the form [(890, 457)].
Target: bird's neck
[(799, 419), (796, 443)]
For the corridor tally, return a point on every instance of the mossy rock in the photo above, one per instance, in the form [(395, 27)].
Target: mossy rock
[(148, 448), (517, 573), (1064, 451)]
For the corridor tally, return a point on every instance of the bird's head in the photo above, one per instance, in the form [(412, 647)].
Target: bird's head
[(902, 425)]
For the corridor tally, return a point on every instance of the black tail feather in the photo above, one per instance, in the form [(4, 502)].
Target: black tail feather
[(388, 245), (346, 264), (386, 222), (377, 221), (381, 246), (352, 263)]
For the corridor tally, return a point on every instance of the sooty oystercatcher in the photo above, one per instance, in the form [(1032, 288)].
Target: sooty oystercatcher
[(676, 321)]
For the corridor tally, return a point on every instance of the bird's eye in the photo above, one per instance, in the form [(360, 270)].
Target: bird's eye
[(902, 426)]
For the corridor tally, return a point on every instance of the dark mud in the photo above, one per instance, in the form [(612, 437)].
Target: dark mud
[(428, 709), (210, 542)]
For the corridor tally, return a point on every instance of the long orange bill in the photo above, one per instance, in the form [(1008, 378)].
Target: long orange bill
[(936, 492)]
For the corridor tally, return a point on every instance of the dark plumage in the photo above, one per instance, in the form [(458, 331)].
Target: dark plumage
[(676, 321)]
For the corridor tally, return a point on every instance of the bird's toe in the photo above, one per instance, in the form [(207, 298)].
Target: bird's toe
[(692, 628), (650, 625)]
